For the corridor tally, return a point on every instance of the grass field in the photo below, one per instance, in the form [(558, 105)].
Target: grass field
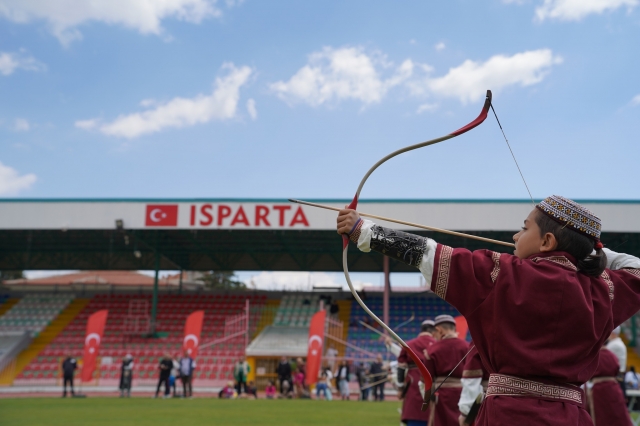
[(194, 412)]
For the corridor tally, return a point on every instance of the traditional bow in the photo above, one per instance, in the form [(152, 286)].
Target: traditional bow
[(426, 376)]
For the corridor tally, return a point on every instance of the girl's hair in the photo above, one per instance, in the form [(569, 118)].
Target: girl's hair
[(577, 245)]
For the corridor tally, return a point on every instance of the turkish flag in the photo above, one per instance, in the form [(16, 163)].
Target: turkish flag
[(314, 351), (95, 330), (162, 215), (461, 327), (192, 329)]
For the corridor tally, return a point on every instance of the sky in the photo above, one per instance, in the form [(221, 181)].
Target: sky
[(249, 99)]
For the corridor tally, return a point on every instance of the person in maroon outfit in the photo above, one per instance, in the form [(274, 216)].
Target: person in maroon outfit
[(606, 400), (408, 374), (442, 358), (538, 317), (475, 379)]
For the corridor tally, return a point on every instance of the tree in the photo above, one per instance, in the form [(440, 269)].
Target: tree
[(223, 280), (10, 275)]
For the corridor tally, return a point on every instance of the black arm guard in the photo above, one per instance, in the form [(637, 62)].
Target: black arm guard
[(402, 246), (401, 372)]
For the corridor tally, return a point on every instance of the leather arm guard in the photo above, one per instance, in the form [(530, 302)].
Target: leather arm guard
[(402, 246), (401, 375)]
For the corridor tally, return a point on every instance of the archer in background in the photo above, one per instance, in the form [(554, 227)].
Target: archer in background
[(538, 316)]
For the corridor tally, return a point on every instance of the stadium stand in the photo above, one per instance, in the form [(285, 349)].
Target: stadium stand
[(401, 309), (296, 310), (33, 313), (214, 363)]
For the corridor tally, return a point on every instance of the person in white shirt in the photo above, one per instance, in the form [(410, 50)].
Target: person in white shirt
[(631, 378), (332, 353), (619, 349)]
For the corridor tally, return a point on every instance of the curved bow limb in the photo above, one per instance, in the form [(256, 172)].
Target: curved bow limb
[(426, 376)]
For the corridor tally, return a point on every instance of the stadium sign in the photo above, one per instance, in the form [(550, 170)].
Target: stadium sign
[(230, 214)]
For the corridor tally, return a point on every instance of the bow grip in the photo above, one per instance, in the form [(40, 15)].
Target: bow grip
[(352, 205), (426, 376)]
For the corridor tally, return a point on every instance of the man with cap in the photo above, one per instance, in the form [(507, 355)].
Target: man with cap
[(619, 349), (442, 357), (409, 376), (475, 379)]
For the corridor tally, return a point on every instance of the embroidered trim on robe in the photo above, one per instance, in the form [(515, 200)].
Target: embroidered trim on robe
[(633, 271), (496, 269), (607, 279), (560, 260), (444, 267), (500, 384)]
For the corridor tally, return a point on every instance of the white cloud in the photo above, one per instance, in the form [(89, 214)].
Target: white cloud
[(299, 281), (221, 104), (63, 17), (469, 81), (440, 46), (635, 100), (87, 124), (10, 62), (574, 10), (21, 125), (251, 109), (346, 73), (426, 108), (11, 182)]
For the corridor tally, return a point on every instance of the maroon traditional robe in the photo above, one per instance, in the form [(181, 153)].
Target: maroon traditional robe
[(609, 407), (412, 403), (442, 357), (538, 325)]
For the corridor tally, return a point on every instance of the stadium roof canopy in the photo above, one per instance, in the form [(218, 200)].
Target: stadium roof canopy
[(249, 234)]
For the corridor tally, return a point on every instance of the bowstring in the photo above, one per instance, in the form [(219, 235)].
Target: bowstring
[(512, 154)]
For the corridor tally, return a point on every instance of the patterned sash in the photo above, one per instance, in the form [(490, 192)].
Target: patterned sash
[(500, 384)]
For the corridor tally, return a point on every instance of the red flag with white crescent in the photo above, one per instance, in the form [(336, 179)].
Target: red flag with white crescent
[(95, 331), (192, 330), (461, 327), (314, 351)]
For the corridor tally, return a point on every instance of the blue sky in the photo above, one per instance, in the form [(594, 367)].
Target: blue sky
[(198, 98)]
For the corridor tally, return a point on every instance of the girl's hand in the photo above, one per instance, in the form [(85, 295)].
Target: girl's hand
[(347, 219)]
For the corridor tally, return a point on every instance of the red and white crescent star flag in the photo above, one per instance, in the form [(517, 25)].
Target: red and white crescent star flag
[(192, 330), (314, 351), (162, 215), (461, 327), (95, 330)]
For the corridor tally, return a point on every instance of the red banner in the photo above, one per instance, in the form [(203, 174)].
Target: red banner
[(461, 327), (314, 352), (192, 330), (95, 330)]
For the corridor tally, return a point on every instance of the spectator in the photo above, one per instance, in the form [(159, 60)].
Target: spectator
[(286, 390), (252, 390), (165, 366), (376, 371), (298, 383), (322, 387), (284, 372), (69, 366), (228, 392), (631, 378), (175, 373), (270, 390), (363, 380), (240, 373), (619, 349), (187, 365), (342, 376), (126, 376)]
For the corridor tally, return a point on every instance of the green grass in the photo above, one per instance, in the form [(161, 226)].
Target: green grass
[(195, 412)]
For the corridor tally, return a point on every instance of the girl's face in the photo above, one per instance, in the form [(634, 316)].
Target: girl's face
[(529, 241)]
